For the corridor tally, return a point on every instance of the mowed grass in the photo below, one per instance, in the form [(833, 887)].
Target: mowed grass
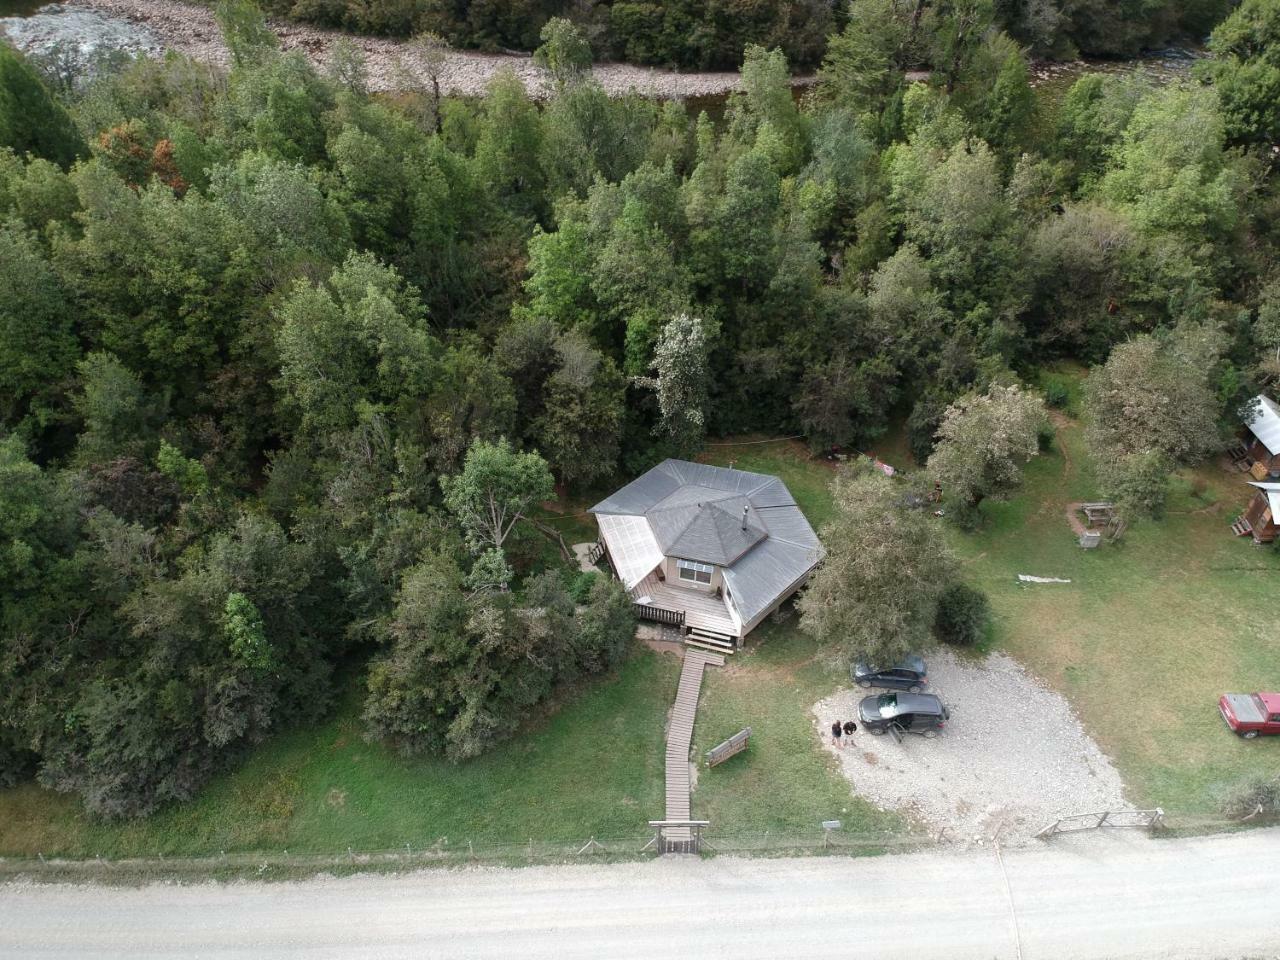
[(1146, 637), (591, 768), (1149, 632), (783, 784)]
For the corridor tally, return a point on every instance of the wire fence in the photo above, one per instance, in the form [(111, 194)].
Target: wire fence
[(281, 865)]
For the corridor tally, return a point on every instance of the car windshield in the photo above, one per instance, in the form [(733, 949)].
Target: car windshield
[(888, 704)]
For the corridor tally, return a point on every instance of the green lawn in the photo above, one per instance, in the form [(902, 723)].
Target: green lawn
[(783, 783), (1149, 632), (594, 767), (1146, 636)]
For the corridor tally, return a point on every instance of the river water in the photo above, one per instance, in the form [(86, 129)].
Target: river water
[(79, 35)]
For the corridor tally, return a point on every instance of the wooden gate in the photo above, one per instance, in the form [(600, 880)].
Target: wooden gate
[(677, 836), (1149, 819)]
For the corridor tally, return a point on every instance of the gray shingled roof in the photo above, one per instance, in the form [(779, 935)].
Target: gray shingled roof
[(696, 512)]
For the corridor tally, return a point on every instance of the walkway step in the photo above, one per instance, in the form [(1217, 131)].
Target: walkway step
[(707, 646)]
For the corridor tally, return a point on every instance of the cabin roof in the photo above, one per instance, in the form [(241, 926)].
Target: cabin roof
[(748, 524), (1272, 492), (1264, 422)]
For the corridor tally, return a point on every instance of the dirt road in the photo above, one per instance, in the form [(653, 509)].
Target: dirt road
[(1115, 896)]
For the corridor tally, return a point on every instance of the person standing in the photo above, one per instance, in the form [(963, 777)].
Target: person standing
[(835, 733), (850, 728)]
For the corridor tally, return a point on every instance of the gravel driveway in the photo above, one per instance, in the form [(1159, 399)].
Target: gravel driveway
[(1013, 753)]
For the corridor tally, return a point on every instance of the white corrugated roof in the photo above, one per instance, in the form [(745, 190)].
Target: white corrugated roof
[(1272, 490), (631, 545), (1264, 422)]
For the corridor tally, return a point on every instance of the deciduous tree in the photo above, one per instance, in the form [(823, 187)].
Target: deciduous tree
[(875, 595), (984, 441)]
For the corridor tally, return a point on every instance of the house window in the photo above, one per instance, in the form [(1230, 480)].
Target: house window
[(695, 572)]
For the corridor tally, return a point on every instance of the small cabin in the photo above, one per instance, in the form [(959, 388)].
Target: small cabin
[(1260, 516), (710, 550), (1263, 439)]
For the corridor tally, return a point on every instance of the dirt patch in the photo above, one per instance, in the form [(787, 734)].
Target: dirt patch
[(1073, 519), (1013, 756)]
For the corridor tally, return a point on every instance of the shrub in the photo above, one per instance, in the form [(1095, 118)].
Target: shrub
[(963, 615), (580, 586), (1257, 794), (1056, 392)]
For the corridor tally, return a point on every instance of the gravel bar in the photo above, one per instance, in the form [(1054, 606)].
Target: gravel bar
[(190, 29)]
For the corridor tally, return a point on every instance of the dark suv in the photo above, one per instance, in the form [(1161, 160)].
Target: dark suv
[(921, 713), (909, 675)]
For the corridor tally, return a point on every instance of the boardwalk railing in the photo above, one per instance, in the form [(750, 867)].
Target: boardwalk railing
[(1149, 819)]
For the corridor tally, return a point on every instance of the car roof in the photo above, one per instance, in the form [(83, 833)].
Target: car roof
[(911, 702), (1271, 701), (915, 663)]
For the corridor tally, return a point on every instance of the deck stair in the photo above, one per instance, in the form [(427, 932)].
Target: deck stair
[(1242, 527), (702, 639), (679, 737)]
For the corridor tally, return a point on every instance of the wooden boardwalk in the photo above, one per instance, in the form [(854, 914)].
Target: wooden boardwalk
[(680, 734)]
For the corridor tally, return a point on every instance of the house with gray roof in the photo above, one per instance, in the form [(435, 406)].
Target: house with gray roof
[(709, 549)]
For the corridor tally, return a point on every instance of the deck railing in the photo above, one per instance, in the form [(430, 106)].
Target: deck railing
[(647, 611), (596, 552)]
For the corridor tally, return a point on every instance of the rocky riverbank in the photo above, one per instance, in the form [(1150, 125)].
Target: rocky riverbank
[(190, 29)]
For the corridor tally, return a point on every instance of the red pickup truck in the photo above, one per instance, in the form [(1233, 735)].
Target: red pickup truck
[(1250, 714)]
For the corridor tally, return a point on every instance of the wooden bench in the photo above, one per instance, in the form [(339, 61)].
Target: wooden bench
[(734, 745)]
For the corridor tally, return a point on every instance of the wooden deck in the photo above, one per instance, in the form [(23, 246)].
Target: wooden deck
[(704, 611), (680, 735)]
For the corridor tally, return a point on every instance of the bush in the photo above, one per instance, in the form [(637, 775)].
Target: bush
[(580, 586), (963, 615), (1259, 794), (1056, 392)]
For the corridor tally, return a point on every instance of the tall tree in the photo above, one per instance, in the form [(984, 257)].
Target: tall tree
[(31, 121), (1152, 407), (682, 380), (983, 442), (495, 490), (875, 596)]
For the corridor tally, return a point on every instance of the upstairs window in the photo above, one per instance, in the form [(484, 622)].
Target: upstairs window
[(695, 572)]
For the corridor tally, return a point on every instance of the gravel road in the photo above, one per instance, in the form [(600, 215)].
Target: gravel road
[(190, 29), (1013, 753), (1118, 897)]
